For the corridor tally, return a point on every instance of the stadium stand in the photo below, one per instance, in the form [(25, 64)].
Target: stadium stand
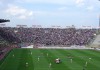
[(13, 37), (96, 42), (49, 36), (4, 41)]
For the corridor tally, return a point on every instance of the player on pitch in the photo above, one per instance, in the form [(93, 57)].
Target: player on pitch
[(57, 60)]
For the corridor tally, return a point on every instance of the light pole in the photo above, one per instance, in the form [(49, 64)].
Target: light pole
[(99, 20)]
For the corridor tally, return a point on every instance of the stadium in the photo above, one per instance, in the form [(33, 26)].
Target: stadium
[(37, 48), (51, 48)]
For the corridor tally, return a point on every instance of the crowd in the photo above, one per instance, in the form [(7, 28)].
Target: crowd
[(5, 46), (49, 36), (4, 49)]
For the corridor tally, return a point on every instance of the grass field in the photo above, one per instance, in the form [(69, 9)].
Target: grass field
[(27, 59)]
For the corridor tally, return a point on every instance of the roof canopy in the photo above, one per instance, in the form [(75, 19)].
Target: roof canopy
[(4, 20)]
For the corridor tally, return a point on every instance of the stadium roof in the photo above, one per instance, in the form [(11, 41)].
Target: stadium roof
[(4, 20)]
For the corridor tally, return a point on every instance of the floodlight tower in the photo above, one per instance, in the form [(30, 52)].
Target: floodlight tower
[(99, 21), (99, 16)]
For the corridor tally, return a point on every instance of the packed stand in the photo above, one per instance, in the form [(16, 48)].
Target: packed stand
[(5, 45), (51, 36)]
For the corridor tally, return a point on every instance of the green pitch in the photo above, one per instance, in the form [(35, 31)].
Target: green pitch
[(40, 59)]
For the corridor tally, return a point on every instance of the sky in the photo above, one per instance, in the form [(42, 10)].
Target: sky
[(50, 13)]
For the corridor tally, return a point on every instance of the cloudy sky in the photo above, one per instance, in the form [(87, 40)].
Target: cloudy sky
[(49, 13)]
